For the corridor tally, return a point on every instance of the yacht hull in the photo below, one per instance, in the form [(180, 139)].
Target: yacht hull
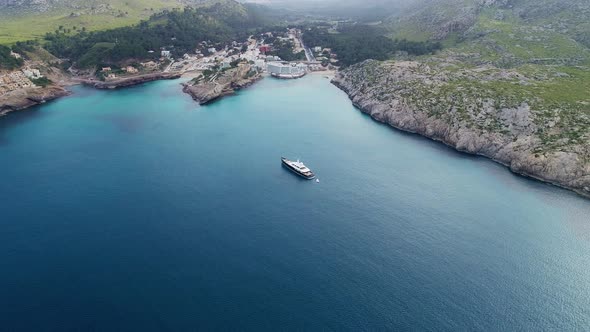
[(289, 165)]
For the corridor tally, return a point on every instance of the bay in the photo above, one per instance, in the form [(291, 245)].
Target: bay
[(137, 209)]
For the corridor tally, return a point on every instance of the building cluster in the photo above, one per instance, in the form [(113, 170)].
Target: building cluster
[(150, 65), (212, 56), (17, 80), (325, 54), (131, 70), (32, 73), (109, 73), (209, 56)]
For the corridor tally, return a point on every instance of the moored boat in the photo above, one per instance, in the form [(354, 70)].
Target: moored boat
[(298, 168)]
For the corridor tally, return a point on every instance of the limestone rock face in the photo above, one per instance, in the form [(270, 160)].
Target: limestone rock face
[(415, 98), (21, 99)]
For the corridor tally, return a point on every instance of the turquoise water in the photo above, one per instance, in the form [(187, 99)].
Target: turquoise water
[(139, 210)]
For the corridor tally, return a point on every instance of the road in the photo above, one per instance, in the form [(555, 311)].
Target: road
[(308, 52), (169, 66)]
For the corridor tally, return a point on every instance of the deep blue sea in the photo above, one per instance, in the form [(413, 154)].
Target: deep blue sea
[(138, 210)]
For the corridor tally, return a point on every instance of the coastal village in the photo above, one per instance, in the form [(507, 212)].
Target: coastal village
[(210, 57), (258, 56), (216, 69), (238, 65)]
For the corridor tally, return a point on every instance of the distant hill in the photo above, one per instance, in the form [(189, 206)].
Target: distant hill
[(361, 10), (30, 19), (16, 7), (443, 19), (505, 32)]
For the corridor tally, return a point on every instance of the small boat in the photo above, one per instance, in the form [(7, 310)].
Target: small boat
[(298, 168)]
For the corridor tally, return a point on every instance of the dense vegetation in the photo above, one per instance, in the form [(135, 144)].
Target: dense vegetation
[(7, 61), (25, 47), (179, 31), (282, 48), (355, 43), (43, 81)]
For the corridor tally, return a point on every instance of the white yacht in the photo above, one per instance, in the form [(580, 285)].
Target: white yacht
[(298, 168)]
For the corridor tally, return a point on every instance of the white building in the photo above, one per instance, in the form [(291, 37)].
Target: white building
[(149, 65), (270, 58), (166, 54), (317, 49), (260, 64), (248, 56), (131, 70), (32, 73), (211, 50), (286, 70)]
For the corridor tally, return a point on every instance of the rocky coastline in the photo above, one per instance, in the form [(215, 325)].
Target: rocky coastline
[(25, 98), (205, 90), (385, 91), (129, 81), (29, 97)]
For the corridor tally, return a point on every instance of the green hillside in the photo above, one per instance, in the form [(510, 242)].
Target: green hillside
[(32, 20), (505, 32), (179, 31), (535, 52)]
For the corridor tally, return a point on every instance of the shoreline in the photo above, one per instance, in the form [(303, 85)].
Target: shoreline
[(584, 192), (26, 98), (227, 92), (128, 81)]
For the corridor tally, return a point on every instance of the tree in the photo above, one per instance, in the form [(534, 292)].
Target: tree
[(7, 61)]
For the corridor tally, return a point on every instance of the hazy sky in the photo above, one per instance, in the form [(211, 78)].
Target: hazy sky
[(325, 2)]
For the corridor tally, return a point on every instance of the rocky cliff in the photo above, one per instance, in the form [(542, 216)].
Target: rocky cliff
[(205, 89), (481, 111), (21, 99)]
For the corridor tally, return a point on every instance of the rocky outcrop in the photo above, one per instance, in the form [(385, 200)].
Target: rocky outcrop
[(420, 99), (207, 89), (25, 98), (129, 81)]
